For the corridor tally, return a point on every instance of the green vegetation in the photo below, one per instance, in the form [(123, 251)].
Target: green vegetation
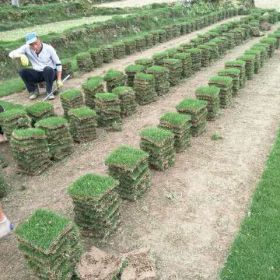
[(191, 105), (106, 96), (3, 186), (220, 80), (29, 133), (254, 253), (156, 135), (39, 108), (70, 94), (175, 119), (52, 122), (9, 105), (11, 86), (82, 112), (92, 83), (208, 91)]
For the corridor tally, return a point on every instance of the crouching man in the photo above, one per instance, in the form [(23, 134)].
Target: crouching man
[(46, 65)]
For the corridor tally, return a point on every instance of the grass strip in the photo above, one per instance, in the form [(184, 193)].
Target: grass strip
[(255, 251), (11, 86)]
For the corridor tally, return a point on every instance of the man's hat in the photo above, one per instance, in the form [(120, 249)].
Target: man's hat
[(30, 38)]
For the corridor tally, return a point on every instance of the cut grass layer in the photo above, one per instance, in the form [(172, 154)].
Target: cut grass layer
[(255, 251), (11, 86)]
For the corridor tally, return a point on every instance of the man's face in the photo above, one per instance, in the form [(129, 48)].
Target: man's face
[(36, 46)]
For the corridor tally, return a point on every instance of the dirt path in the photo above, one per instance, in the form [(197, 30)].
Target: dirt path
[(133, 3), (190, 216), (121, 64)]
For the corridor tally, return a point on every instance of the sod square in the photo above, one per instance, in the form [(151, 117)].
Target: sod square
[(131, 71), (84, 61), (130, 46), (175, 68), (96, 57), (234, 74), (108, 53), (196, 58), (119, 50), (40, 110), (146, 62), (159, 58), (240, 65), (71, 99), (161, 75), (249, 66), (114, 78)]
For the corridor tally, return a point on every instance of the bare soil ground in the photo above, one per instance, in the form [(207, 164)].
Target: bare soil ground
[(193, 211)]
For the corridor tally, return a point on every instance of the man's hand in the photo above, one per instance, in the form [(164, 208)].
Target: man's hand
[(59, 83), (24, 60)]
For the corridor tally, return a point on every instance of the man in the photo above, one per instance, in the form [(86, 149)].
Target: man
[(45, 63)]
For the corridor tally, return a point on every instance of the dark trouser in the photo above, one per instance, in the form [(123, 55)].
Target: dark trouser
[(32, 77)]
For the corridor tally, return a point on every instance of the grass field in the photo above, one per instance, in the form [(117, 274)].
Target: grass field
[(255, 252)]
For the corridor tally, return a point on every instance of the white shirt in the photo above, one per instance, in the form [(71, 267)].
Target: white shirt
[(46, 57)]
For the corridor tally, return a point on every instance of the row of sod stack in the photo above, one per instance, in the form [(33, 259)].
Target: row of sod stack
[(50, 244), (108, 109), (198, 111), (180, 126), (96, 204), (83, 124), (30, 150), (131, 168), (59, 139), (159, 144)]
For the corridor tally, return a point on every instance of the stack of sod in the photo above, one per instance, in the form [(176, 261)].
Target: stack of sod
[(144, 86), (265, 47), (159, 58), (50, 244), (161, 75), (205, 55), (198, 111), (220, 44), (171, 52), (130, 46), (83, 124), (67, 67), (257, 55), (131, 71), (238, 35), (272, 42), (58, 134), (196, 58), (263, 53), (155, 37), (174, 67), (225, 85), (3, 186), (30, 150), (196, 41), (214, 52), (186, 63), (96, 204), (180, 126), (231, 39), (234, 74), (119, 50), (108, 111), (127, 100), (162, 35), (84, 61), (91, 87), (149, 40), (177, 30), (114, 78), (14, 119), (159, 144), (211, 95), (131, 168), (108, 54), (40, 110), (96, 57), (249, 66), (169, 32), (240, 65), (184, 47), (146, 62), (140, 43), (71, 99), (276, 35)]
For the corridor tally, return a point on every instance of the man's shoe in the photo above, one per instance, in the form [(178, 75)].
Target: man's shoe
[(50, 96), (5, 227), (33, 95)]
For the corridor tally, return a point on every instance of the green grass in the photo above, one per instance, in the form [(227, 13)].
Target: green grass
[(247, 57), (156, 135), (182, 56), (126, 157), (235, 63), (171, 61), (143, 76), (70, 94), (29, 133), (39, 108), (134, 68), (92, 83), (57, 27), (3, 186), (144, 61), (191, 105), (113, 74), (11, 86), (91, 185), (9, 105), (12, 114), (106, 96), (83, 56), (42, 229), (229, 72), (51, 122), (226, 81), (175, 119), (210, 91), (82, 112), (123, 90), (156, 70), (255, 251), (194, 51)]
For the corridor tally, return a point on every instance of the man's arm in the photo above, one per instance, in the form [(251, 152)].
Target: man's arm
[(18, 52), (57, 63)]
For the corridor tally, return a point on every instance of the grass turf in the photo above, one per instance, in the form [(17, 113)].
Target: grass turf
[(70, 94), (92, 185), (9, 105), (11, 86), (126, 156), (106, 96), (155, 134), (93, 83), (51, 122), (29, 133), (82, 112), (255, 251), (175, 119), (39, 107)]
